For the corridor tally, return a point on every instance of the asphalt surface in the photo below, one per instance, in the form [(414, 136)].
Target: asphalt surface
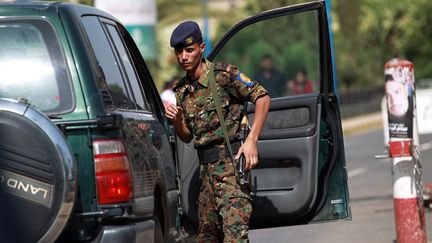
[(370, 185)]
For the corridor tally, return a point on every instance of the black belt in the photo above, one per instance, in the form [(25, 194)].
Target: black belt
[(212, 154)]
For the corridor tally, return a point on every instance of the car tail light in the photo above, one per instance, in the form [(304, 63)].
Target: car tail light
[(113, 178)]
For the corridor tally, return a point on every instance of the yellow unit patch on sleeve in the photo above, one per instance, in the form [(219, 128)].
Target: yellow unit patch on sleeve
[(245, 79)]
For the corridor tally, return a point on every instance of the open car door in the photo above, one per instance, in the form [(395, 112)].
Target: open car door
[(301, 176)]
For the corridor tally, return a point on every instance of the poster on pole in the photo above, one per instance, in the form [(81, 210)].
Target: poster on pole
[(139, 17), (400, 95)]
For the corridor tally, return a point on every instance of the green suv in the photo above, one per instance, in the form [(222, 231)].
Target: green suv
[(86, 153)]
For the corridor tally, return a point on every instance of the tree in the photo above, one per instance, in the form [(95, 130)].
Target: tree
[(171, 13), (385, 29), (416, 37), (86, 2), (366, 34)]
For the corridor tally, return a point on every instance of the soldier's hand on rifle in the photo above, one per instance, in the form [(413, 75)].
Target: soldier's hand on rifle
[(250, 151), (174, 114)]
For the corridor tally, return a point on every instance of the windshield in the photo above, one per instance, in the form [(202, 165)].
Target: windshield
[(32, 67)]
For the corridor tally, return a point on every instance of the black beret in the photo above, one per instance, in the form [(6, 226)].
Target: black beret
[(185, 34)]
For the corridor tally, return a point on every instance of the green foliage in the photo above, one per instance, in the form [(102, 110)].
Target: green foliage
[(385, 29), (86, 2), (301, 57), (170, 12), (260, 6), (416, 38), (291, 40), (366, 34)]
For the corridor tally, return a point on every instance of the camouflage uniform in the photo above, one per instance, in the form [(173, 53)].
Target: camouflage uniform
[(224, 209)]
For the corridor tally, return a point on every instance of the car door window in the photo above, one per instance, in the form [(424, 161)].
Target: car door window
[(152, 96), (127, 65), (281, 53), (114, 82)]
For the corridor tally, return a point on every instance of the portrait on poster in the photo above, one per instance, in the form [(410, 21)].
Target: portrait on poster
[(399, 89)]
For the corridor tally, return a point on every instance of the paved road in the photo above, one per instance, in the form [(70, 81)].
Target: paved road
[(370, 184)]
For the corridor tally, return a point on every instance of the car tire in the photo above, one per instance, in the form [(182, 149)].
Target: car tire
[(37, 175), (159, 218), (158, 234)]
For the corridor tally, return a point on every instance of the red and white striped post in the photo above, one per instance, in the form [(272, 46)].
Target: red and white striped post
[(401, 109)]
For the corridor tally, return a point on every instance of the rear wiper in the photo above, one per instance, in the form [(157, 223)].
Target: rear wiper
[(25, 101), (54, 117)]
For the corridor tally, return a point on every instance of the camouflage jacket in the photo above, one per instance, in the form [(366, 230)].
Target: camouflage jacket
[(199, 109)]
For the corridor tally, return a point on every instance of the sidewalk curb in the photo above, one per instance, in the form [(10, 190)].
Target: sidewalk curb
[(361, 124)]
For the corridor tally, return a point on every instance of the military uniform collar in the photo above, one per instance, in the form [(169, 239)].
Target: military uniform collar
[(203, 79)]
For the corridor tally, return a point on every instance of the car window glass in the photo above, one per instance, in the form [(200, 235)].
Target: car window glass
[(107, 61), (128, 66), (32, 67), (281, 53), (148, 87)]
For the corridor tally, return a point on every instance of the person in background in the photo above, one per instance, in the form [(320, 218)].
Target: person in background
[(167, 95), (271, 78), (301, 83)]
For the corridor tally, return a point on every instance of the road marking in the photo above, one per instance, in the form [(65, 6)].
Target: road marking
[(356, 172), (426, 146), (359, 171), (385, 161)]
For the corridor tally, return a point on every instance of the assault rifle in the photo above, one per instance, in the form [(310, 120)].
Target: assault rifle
[(244, 175)]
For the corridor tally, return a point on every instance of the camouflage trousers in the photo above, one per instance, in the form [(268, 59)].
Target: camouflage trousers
[(224, 209)]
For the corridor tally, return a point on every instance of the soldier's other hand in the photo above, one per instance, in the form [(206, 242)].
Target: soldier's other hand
[(250, 151), (174, 113)]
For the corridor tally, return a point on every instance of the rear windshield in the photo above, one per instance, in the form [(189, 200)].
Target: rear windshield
[(32, 66)]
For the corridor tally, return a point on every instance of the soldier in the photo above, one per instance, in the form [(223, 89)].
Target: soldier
[(224, 207)]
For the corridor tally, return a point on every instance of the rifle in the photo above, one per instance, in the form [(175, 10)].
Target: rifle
[(244, 175)]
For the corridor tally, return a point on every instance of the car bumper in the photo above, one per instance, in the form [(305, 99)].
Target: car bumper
[(137, 232)]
